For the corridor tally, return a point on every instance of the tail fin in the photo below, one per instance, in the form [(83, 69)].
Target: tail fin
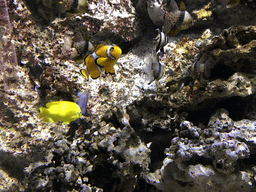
[(43, 112), (84, 72)]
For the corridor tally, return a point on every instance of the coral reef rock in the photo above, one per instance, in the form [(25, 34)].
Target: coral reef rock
[(191, 129), (109, 158), (210, 158), (112, 20), (232, 51)]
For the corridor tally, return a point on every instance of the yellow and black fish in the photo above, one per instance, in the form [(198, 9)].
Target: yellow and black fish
[(166, 13), (102, 59)]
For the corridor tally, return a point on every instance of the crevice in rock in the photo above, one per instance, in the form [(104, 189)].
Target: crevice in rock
[(13, 165), (157, 147), (221, 71), (143, 186), (238, 107), (198, 160), (102, 177), (113, 120)]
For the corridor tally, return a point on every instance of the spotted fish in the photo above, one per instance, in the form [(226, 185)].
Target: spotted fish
[(166, 13)]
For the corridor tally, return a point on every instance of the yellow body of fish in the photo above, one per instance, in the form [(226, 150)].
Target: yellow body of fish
[(102, 59), (65, 111)]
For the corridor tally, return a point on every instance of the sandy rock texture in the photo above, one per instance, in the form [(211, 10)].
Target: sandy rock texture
[(193, 130)]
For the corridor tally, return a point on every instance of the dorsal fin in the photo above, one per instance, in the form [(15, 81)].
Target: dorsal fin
[(48, 105), (182, 6), (99, 46), (171, 5)]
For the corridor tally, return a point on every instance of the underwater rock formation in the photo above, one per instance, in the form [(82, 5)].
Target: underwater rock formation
[(200, 158), (232, 51), (107, 157), (114, 20), (192, 130)]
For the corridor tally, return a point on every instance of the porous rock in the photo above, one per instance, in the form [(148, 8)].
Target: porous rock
[(110, 20), (214, 158), (109, 158), (232, 51)]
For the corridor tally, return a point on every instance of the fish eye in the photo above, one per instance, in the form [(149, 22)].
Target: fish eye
[(112, 48)]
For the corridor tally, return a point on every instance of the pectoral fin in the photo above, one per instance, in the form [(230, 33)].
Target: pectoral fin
[(110, 67), (102, 61), (48, 119), (99, 46)]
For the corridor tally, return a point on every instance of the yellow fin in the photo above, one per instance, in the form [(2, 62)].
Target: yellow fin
[(84, 73), (43, 112), (48, 105), (91, 67), (99, 46), (102, 61), (48, 119), (182, 6), (110, 67), (173, 31)]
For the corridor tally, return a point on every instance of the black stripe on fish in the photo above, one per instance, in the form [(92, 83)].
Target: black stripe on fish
[(86, 47), (159, 71), (180, 19), (109, 54), (159, 43), (97, 65)]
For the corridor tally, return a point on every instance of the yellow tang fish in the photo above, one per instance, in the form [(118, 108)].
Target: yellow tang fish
[(102, 59), (65, 111)]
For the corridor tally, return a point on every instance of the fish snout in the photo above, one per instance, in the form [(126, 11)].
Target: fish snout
[(187, 22)]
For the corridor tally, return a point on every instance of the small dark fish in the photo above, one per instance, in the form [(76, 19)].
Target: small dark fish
[(82, 44), (82, 100), (153, 68), (160, 41), (232, 3)]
